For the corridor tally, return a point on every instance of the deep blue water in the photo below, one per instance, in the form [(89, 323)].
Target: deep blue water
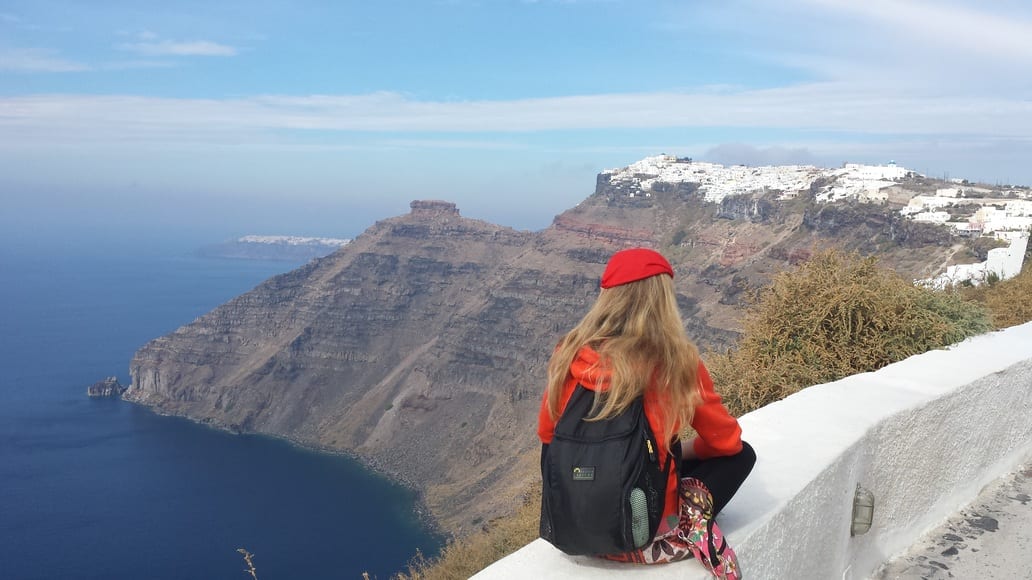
[(106, 489)]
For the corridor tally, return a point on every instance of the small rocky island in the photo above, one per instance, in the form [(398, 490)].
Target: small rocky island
[(109, 387)]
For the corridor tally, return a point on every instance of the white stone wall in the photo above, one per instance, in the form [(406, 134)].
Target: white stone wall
[(924, 435), (1006, 262)]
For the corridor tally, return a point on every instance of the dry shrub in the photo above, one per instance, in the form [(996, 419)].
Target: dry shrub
[(464, 557), (1008, 301), (835, 315)]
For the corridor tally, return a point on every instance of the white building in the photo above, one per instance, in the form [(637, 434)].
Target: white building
[(1008, 218), (920, 203), (877, 172), (934, 217), (1003, 263)]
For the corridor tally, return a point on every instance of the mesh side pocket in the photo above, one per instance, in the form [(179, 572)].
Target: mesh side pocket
[(654, 496), (639, 518)]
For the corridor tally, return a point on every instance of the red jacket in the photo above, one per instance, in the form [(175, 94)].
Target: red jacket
[(719, 432)]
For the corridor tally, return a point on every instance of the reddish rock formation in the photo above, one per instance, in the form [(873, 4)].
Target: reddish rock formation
[(605, 233)]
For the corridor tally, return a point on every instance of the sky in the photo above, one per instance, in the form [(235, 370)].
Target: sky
[(233, 117)]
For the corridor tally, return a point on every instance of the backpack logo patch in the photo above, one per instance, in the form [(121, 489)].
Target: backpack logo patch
[(584, 474)]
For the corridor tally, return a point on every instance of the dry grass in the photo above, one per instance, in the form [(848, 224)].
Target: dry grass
[(249, 559), (836, 315), (464, 557), (1009, 301)]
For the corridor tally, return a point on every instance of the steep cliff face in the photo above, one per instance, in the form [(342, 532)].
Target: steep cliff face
[(421, 346)]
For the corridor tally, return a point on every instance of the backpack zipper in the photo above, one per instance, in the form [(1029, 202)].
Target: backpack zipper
[(652, 450)]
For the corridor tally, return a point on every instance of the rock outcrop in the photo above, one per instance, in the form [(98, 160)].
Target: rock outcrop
[(109, 387)]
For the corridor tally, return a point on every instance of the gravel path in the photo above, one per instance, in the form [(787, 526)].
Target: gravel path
[(989, 539)]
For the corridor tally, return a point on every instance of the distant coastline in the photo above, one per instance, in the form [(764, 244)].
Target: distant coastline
[(278, 248)]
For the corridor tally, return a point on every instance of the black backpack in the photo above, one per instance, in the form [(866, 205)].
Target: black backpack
[(603, 482)]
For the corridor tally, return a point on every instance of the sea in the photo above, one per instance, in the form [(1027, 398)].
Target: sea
[(105, 489)]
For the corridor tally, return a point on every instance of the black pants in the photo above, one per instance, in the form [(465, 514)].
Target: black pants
[(721, 475)]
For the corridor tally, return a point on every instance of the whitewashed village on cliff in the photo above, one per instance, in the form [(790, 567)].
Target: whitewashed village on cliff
[(1003, 213)]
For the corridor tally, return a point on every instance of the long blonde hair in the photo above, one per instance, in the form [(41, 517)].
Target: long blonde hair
[(637, 330)]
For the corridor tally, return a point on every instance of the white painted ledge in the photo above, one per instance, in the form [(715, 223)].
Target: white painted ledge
[(924, 435)]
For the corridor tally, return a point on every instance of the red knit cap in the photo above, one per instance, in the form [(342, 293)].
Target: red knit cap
[(633, 265)]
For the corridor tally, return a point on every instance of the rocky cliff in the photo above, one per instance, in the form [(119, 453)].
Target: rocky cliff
[(421, 346), (109, 387)]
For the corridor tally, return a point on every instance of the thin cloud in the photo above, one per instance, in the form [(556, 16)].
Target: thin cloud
[(137, 64), (945, 46), (179, 48), (567, 1), (37, 60), (6, 18), (822, 106), (944, 25), (745, 154), (472, 144)]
